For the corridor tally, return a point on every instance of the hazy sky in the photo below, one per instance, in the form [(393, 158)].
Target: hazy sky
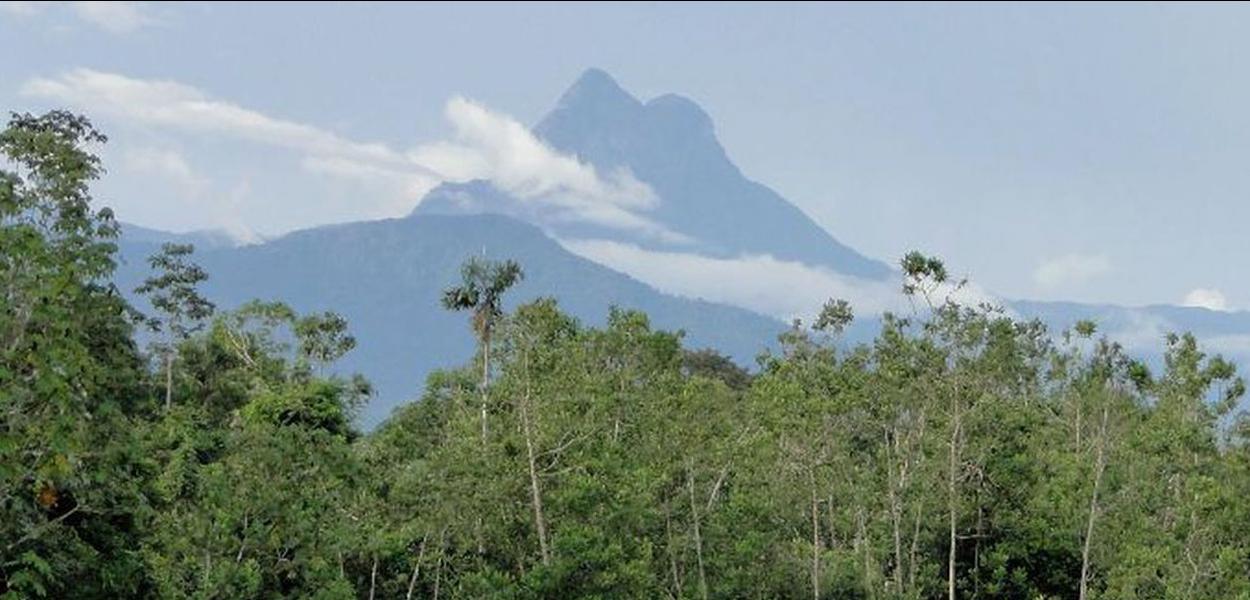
[(1097, 153)]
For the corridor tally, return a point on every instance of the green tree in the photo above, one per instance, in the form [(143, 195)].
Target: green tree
[(260, 493), (172, 292), (481, 289), (323, 338), (71, 380)]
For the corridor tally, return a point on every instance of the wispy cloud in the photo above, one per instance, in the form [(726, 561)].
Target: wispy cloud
[(172, 105), (761, 283), (168, 164), (487, 145), (182, 190), (1070, 269), (1206, 298), (115, 17), (495, 147)]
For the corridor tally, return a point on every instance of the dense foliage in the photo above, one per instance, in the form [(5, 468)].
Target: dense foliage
[(962, 453)]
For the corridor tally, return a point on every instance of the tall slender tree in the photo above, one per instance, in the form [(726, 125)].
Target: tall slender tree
[(482, 286), (172, 292)]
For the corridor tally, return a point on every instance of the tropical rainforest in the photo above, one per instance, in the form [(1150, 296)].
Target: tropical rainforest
[(204, 452)]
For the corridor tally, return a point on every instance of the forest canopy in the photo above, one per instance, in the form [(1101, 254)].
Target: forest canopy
[(963, 452)]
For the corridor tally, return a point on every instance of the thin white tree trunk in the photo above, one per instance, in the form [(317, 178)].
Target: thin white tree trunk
[(815, 541), (481, 542), (913, 558), (895, 509), (169, 379), (485, 380), (416, 570), (438, 569), (1100, 464), (536, 496), (672, 556), (698, 538), (373, 578), (952, 500)]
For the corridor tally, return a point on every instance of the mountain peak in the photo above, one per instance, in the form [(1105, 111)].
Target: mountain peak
[(596, 91), (669, 143), (595, 77)]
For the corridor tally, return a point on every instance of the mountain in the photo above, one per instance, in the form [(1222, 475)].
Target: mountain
[(670, 144), (1143, 329), (203, 239), (386, 278)]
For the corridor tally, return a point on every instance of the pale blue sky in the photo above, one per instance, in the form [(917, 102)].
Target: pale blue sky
[(1085, 152)]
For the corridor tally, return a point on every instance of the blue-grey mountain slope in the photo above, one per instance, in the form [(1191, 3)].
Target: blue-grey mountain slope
[(386, 278), (670, 144), (203, 239)]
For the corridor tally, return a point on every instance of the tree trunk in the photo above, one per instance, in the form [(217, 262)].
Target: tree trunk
[(672, 556), (416, 570), (895, 510), (485, 378), (860, 547), (536, 496), (1100, 463), (913, 556), (373, 578), (815, 541), (438, 569), (952, 500), (698, 538), (438, 575), (481, 542), (169, 379)]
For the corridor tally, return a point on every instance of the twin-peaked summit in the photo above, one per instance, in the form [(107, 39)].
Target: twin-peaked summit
[(701, 199)]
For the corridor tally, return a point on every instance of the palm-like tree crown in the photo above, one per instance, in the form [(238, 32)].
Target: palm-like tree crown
[(483, 283)]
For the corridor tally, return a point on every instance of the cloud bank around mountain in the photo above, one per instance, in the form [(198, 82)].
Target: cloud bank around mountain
[(487, 145), (495, 147), (761, 283), (1070, 269), (1206, 298)]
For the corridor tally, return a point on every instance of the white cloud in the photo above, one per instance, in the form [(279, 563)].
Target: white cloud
[(171, 106), (1206, 298), (1070, 269), (1139, 331), (168, 164), (761, 283), (487, 145), (495, 147), (228, 213), (115, 17), (176, 191)]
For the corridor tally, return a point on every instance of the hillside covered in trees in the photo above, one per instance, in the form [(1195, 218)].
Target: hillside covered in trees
[(962, 453)]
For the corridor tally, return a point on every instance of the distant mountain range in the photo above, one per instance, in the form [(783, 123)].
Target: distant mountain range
[(669, 144), (385, 276)]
